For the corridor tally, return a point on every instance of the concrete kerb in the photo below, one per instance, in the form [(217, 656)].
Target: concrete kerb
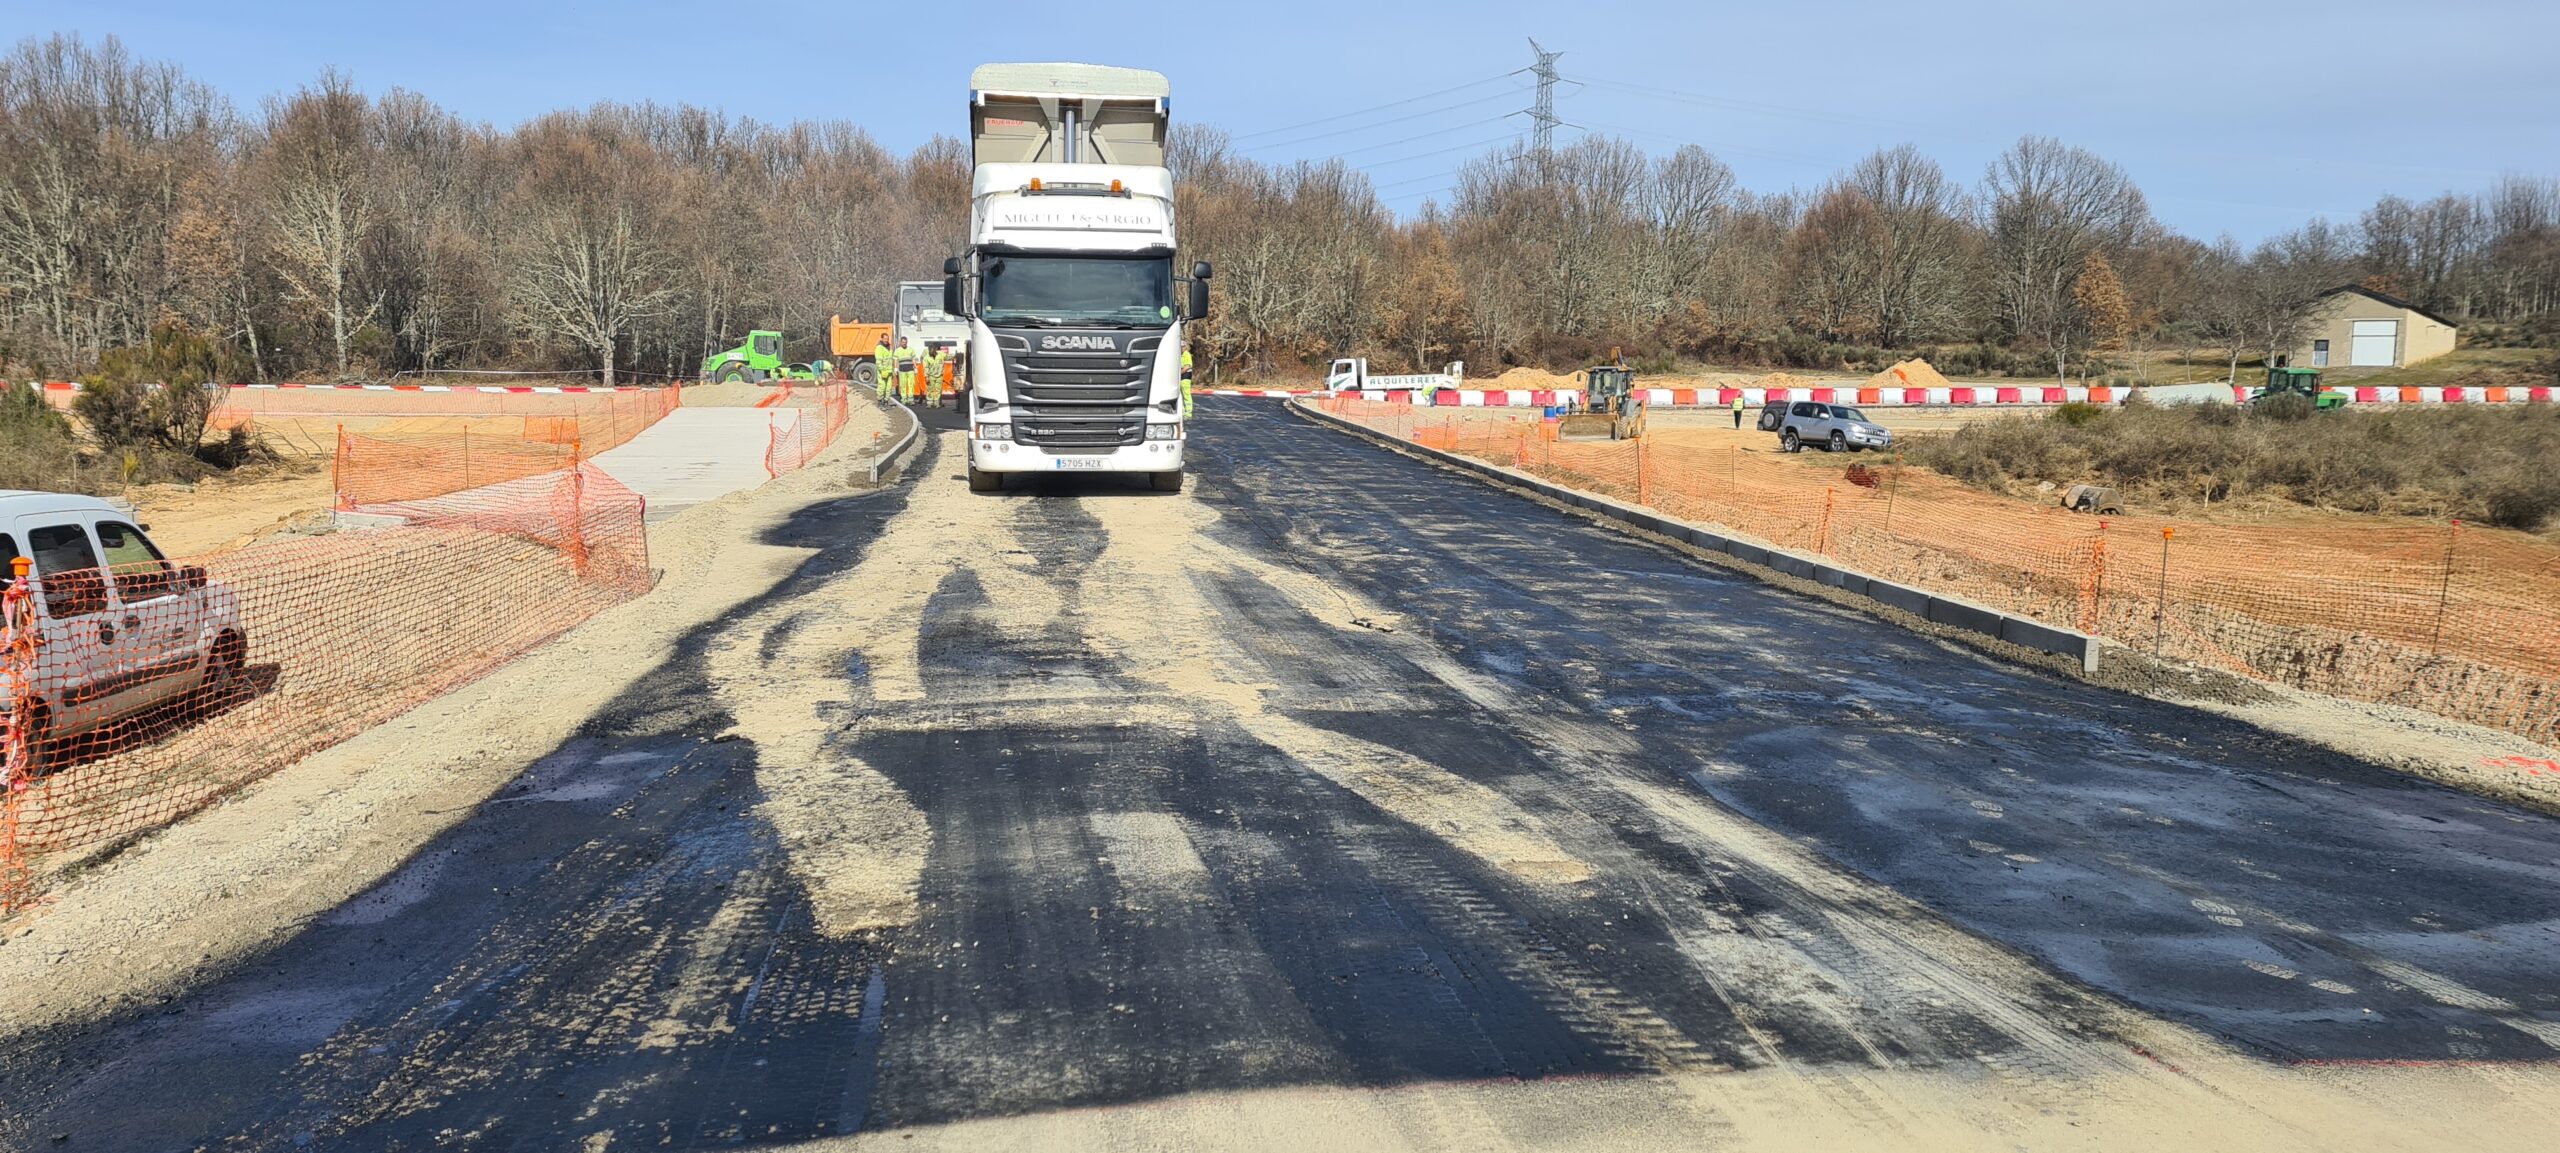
[(1937, 608), (915, 430)]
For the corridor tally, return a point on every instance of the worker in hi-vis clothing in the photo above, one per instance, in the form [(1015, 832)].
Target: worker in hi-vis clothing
[(1737, 408), (932, 387), (884, 369), (1186, 382), (907, 359)]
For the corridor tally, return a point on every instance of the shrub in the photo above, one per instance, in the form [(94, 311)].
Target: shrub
[(2079, 414), (118, 414), (36, 447), (2515, 496), (2491, 464), (2286, 408)]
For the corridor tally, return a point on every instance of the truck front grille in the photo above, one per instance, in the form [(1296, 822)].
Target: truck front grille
[(1078, 400)]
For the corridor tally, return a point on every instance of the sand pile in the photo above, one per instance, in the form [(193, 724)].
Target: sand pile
[(1527, 377), (1782, 380), (1908, 374)]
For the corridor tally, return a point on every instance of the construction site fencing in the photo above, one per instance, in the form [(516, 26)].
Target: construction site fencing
[(141, 690), (823, 410), (2449, 618), (388, 447)]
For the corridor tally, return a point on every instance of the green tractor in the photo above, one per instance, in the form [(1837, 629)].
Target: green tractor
[(2285, 380), (757, 361)]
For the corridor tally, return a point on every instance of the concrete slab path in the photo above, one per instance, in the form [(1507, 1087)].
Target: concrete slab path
[(696, 454)]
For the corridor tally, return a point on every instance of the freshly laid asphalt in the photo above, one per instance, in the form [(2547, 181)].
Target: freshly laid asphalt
[(2293, 902)]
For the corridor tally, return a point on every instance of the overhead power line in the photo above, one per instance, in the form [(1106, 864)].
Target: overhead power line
[(1417, 180), (1378, 124), (1426, 135), (1728, 148), (1651, 92), (1379, 108), (1373, 167)]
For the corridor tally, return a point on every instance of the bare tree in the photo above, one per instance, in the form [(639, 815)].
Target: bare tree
[(587, 267), (1917, 291), (2286, 279), (318, 163), (2050, 206)]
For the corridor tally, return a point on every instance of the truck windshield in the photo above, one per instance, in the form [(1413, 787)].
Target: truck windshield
[(1077, 290)]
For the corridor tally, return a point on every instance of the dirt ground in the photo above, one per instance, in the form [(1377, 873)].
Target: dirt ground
[(1112, 790), (334, 824)]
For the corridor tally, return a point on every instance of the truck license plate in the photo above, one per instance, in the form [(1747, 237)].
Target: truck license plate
[(1094, 464)]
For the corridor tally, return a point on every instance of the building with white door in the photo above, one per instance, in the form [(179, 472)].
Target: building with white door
[(2357, 327)]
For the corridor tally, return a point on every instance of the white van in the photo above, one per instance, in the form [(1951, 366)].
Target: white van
[(119, 630)]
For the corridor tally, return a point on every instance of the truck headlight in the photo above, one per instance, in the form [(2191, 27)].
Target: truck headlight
[(995, 432), (1164, 432)]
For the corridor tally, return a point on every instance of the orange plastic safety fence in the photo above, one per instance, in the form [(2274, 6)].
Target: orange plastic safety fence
[(491, 438), (144, 689), (2452, 619), (821, 410)]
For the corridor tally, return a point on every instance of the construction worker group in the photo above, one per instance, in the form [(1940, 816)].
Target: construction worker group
[(912, 374), (930, 373)]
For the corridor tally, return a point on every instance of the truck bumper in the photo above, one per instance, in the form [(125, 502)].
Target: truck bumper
[(1006, 456)]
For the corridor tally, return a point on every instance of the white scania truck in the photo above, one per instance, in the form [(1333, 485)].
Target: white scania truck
[(1070, 289)]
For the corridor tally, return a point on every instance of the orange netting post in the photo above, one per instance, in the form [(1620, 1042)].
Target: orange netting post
[(1822, 534), (2444, 590), (338, 470), (2093, 581), (2161, 631), (1644, 472), (17, 668), (577, 529)]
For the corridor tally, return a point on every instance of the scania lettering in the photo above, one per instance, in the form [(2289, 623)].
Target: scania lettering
[(1074, 299)]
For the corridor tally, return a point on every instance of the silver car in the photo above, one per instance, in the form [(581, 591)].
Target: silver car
[(1836, 427), (119, 630)]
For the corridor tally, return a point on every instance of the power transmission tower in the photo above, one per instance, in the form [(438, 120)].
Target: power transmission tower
[(1542, 115)]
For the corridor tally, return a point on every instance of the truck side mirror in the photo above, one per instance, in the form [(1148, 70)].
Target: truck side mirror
[(1200, 270), (1199, 302), (951, 289), (951, 266)]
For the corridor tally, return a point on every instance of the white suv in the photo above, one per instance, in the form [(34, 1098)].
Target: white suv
[(118, 629)]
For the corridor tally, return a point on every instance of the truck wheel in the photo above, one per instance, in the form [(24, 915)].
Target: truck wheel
[(1787, 441), (985, 481), (867, 375), (1166, 481)]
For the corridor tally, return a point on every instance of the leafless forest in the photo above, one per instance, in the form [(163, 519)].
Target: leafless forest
[(329, 233)]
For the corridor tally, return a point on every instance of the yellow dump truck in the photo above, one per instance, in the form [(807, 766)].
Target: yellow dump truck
[(851, 342)]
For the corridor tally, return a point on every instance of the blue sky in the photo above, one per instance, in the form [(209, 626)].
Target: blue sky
[(2238, 116)]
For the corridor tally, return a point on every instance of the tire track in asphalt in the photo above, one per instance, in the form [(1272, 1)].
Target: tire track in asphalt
[(1132, 749)]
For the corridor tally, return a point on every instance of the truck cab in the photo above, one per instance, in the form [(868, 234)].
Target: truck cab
[(117, 628), (1071, 291), (1351, 374)]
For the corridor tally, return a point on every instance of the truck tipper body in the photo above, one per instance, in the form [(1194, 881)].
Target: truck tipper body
[(1074, 302)]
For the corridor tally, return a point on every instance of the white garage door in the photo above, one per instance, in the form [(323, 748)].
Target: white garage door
[(2375, 343)]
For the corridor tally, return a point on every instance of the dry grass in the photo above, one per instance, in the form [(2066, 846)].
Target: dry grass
[(2490, 464)]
